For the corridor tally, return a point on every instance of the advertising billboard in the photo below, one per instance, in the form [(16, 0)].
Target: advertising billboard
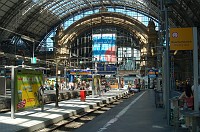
[(27, 86), (104, 48)]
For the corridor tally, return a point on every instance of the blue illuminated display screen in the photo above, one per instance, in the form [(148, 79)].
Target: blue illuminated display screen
[(104, 47)]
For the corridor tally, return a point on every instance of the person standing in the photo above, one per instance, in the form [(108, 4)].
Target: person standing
[(187, 97), (40, 95), (177, 85), (187, 91)]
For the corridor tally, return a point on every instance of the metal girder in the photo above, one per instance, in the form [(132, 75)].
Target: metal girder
[(195, 12), (32, 17), (11, 12), (88, 2), (186, 7)]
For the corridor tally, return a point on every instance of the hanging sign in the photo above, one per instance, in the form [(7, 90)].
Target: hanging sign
[(152, 73), (181, 39), (33, 60)]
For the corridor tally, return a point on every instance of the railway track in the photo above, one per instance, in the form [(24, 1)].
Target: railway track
[(76, 121)]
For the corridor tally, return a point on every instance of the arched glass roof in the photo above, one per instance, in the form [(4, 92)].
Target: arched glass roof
[(36, 18), (59, 7), (48, 42)]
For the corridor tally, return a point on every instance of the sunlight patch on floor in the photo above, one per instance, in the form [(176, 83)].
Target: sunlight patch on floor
[(156, 126)]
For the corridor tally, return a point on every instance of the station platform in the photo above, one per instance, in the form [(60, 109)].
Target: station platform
[(137, 113), (31, 120)]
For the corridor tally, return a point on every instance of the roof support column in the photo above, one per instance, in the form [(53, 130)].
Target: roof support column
[(167, 70)]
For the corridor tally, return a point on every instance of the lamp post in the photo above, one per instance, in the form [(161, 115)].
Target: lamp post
[(93, 77), (56, 85), (118, 80), (65, 76), (57, 90)]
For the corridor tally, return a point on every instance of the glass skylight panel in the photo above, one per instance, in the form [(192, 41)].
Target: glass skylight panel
[(131, 14), (61, 5), (64, 13), (58, 9), (145, 23), (139, 18), (96, 11), (111, 9), (96, 2), (69, 6), (51, 6), (120, 10), (78, 2), (67, 24), (142, 1), (54, 8), (49, 40), (88, 13), (78, 17), (28, 8), (84, 5), (62, 2), (72, 9), (39, 2)]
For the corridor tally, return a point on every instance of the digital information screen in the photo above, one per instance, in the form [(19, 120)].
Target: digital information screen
[(104, 48)]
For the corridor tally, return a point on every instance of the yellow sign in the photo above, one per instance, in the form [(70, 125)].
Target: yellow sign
[(181, 39)]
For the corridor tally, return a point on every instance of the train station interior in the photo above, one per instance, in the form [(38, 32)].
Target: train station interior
[(45, 30), (123, 42)]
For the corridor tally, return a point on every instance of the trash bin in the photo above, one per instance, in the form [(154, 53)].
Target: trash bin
[(82, 95), (174, 112), (159, 98)]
